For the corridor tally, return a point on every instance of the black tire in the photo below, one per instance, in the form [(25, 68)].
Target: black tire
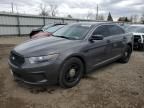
[(126, 55), (71, 72)]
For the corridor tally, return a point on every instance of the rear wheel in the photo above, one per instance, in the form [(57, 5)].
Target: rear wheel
[(126, 55), (71, 72)]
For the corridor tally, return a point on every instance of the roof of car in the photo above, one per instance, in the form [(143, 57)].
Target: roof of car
[(137, 25), (60, 24)]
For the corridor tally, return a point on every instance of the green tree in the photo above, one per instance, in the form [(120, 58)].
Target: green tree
[(109, 18), (124, 19)]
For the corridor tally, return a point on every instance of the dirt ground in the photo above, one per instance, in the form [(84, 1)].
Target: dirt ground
[(112, 86)]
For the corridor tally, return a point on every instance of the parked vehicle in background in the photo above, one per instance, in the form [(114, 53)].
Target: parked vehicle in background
[(138, 34), (124, 25), (46, 30), (72, 51)]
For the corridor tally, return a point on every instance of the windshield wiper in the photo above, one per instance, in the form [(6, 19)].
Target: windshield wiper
[(64, 37)]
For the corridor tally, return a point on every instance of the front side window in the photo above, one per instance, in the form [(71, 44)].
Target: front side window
[(102, 30)]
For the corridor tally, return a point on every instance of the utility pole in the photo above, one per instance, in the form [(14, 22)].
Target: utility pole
[(97, 12), (17, 8), (12, 7)]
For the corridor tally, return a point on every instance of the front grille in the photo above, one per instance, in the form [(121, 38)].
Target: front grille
[(136, 38), (16, 58)]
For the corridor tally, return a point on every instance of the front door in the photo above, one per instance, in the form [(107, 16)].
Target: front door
[(99, 50)]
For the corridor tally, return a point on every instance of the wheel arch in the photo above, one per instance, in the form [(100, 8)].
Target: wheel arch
[(131, 46), (79, 57)]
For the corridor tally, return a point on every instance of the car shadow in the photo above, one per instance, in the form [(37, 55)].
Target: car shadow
[(38, 89)]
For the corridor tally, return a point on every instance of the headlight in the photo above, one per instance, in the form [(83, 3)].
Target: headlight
[(39, 59)]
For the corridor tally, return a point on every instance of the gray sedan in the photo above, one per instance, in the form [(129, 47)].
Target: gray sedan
[(70, 53)]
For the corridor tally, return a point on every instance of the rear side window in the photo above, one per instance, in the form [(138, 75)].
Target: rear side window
[(115, 30), (102, 30)]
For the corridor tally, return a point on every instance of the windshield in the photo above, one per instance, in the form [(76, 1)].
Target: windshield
[(75, 31), (53, 29), (139, 29), (46, 27)]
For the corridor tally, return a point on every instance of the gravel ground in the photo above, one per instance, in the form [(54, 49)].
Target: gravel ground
[(13, 39), (112, 86)]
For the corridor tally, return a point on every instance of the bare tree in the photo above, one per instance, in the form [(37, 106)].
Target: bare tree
[(12, 7), (131, 18), (97, 13), (135, 18), (53, 9), (17, 9), (101, 17), (43, 10), (89, 15)]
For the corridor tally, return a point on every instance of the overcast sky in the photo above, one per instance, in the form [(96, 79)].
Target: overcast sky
[(78, 8)]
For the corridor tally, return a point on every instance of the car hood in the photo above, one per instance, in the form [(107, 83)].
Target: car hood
[(44, 46), (136, 33)]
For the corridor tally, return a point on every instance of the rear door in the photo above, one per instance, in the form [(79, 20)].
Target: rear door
[(116, 39)]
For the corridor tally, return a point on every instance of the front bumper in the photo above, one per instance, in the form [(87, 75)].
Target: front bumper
[(41, 75)]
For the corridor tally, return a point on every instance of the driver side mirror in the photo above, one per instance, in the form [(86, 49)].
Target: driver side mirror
[(96, 37)]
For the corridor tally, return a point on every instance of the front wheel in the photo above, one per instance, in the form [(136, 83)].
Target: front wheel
[(71, 72), (126, 55)]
